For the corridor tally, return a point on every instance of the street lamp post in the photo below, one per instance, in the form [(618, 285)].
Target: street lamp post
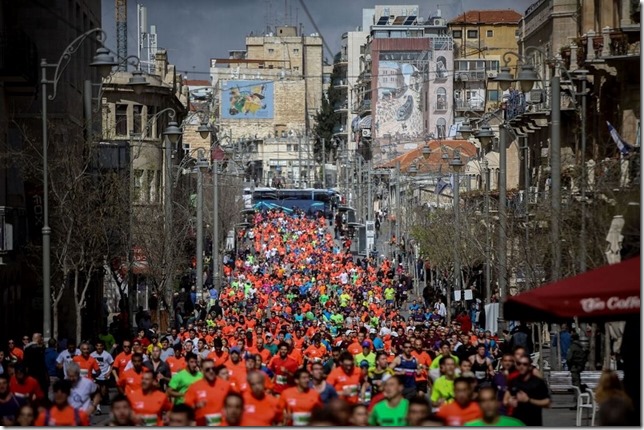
[(201, 165), (215, 227), (456, 164), (104, 62)]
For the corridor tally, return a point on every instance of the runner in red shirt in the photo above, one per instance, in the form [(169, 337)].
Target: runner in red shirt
[(283, 367), (299, 401), (23, 386), (148, 403)]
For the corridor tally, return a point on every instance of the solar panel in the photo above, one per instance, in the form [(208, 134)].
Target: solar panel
[(383, 20), (410, 20), (399, 20)]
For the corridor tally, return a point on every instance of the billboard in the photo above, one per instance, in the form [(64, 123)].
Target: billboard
[(247, 99)]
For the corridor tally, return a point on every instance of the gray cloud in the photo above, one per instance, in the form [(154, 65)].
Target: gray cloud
[(193, 31)]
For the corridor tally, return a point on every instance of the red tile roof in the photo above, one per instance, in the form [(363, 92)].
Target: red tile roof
[(503, 16), (434, 163), (197, 82)]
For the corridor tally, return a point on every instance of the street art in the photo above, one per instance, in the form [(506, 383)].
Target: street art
[(247, 100)]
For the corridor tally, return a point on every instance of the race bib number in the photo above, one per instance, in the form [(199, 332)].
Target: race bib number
[(350, 390), (213, 420), (301, 418), (149, 420), (479, 374), (84, 373), (281, 379)]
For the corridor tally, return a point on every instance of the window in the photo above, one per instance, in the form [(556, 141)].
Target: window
[(295, 148), (493, 65), (137, 111), (441, 99), (120, 126), (296, 50), (288, 147), (296, 67), (149, 124), (490, 33), (493, 95), (138, 183), (457, 34), (472, 34), (441, 126), (271, 50)]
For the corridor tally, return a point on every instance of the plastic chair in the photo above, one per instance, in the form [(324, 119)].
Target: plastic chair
[(586, 400)]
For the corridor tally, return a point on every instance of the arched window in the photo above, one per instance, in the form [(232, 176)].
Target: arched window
[(441, 126), (441, 99)]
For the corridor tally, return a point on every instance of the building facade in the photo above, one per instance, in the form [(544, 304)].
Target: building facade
[(403, 94), (481, 38), (30, 31), (266, 98)]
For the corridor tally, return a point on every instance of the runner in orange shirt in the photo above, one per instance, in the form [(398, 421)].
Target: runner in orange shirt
[(176, 362), (463, 409), (130, 380), (122, 359), (299, 401), (89, 367), (260, 409), (346, 379), (424, 361), (283, 367), (62, 414), (148, 403), (316, 352), (207, 395)]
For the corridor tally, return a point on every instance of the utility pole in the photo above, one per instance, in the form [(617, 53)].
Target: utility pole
[(199, 282), (555, 177), (488, 245), (503, 250), (369, 193), (582, 184), (299, 162), (555, 194), (215, 223), (398, 207), (323, 163)]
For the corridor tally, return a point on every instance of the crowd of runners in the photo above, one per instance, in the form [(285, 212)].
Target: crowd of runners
[(301, 333)]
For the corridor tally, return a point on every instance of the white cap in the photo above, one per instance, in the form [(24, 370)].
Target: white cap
[(372, 331)]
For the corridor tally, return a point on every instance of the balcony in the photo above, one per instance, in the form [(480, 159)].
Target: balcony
[(361, 107), (339, 129), (463, 105), (340, 58), (340, 83), (341, 107), (470, 75), (440, 106), (18, 62), (609, 45)]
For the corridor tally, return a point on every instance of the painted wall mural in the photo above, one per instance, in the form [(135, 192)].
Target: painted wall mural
[(247, 100)]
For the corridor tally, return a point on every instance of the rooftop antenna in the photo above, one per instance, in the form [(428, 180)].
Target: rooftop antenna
[(121, 31), (286, 12)]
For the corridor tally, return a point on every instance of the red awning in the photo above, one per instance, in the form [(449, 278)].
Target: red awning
[(608, 293)]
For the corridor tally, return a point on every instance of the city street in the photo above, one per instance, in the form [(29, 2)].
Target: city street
[(296, 213)]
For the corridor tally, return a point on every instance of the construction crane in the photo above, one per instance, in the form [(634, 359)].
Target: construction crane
[(121, 32)]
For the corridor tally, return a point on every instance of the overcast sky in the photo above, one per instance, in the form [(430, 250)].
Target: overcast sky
[(193, 31)]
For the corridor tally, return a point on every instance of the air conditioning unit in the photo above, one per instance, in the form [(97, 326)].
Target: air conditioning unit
[(492, 74), (439, 22), (462, 77)]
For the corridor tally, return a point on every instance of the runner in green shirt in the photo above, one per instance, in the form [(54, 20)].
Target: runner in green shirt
[(393, 410), (182, 380), (443, 388), (489, 404)]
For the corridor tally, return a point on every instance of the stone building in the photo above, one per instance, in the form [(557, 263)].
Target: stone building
[(481, 38), (266, 98)]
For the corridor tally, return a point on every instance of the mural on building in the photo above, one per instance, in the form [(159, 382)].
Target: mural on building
[(399, 109), (247, 100)]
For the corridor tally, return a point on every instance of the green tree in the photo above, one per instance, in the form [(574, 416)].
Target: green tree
[(327, 118)]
